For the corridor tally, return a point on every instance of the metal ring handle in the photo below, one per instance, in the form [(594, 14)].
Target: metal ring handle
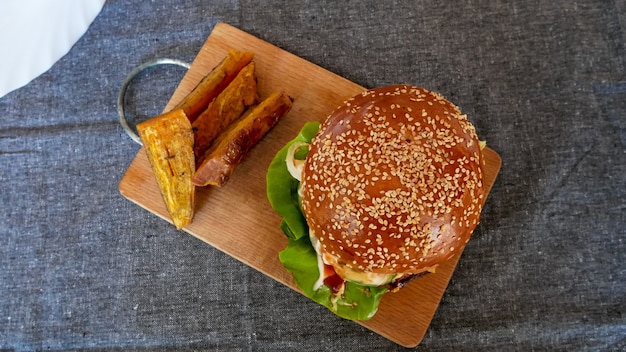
[(122, 95)]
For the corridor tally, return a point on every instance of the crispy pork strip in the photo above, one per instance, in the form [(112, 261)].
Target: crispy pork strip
[(224, 109), (231, 147), (168, 141), (213, 83)]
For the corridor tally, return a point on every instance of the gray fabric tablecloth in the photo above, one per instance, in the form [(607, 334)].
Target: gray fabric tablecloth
[(544, 82)]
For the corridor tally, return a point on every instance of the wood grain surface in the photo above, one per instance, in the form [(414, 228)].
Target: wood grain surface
[(237, 218)]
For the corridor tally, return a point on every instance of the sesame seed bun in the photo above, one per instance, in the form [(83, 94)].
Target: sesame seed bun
[(393, 183)]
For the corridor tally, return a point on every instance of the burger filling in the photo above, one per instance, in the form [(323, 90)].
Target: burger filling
[(328, 268)]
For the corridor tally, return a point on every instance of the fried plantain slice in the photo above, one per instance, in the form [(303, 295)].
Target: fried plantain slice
[(224, 109), (168, 141), (232, 146), (213, 83)]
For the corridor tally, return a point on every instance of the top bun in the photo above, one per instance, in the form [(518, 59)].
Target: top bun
[(393, 183)]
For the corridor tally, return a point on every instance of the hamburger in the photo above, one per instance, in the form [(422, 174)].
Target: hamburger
[(387, 188)]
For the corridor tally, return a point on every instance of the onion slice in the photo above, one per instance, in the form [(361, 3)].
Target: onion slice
[(294, 165)]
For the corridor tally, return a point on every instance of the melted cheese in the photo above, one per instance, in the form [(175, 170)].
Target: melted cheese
[(364, 278)]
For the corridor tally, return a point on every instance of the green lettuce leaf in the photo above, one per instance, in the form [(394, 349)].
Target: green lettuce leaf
[(282, 188), (358, 302)]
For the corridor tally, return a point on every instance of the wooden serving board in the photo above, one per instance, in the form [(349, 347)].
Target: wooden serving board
[(237, 218)]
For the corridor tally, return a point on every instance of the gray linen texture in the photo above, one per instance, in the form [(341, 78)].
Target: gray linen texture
[(81, 268)]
